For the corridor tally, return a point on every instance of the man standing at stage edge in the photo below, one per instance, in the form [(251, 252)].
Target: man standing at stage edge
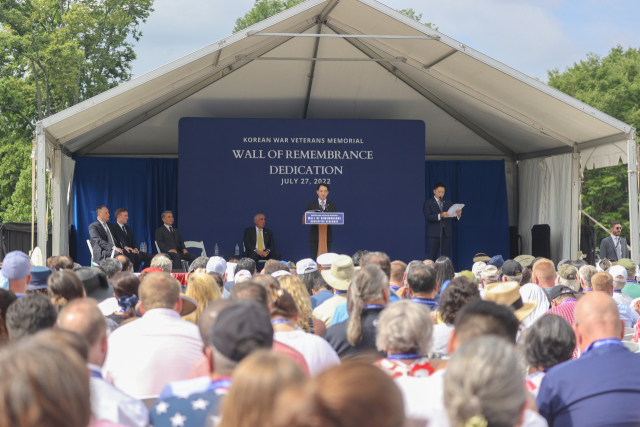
[(614, 247), (435, 211), (322, 205), (170, 242)]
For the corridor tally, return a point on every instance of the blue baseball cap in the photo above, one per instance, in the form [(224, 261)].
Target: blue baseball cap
[(39, 276), (496, 261), (16, 265)]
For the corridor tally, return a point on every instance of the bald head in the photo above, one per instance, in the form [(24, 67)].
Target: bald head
[(596, 317)]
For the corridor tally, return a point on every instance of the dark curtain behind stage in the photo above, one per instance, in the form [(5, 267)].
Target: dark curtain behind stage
[(481, 186), (145, 187)]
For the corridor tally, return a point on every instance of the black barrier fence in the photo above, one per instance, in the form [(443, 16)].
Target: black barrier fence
[(16, 236)]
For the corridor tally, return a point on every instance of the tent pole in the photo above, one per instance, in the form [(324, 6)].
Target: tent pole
[(57, 237), (632, 166), (41, 189), (313, 69), (575, 205)]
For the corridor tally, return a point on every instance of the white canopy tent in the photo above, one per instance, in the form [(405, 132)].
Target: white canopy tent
[(355, 59)]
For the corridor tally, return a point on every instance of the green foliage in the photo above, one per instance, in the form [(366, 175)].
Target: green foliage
[(416, 16), (54, 54), (20, 208), (263, 9), (612, 85)]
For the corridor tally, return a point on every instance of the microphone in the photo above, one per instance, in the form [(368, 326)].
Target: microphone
[(440, 197)]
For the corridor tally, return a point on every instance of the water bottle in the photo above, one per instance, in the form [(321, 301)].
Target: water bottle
[(237, 250), (216, 252), (143, 247)]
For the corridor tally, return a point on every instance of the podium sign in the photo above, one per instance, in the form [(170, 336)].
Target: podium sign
[(328, 218), (322, 220)]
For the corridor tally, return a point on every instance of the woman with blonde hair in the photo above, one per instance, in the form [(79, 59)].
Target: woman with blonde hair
[(203, 289), (298, 291), (256, 382)]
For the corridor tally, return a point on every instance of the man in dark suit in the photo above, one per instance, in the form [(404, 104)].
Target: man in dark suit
[(614, 246), (258, 241), (323, 205), (102, 235), (124, 235), (170, 242), (435, 211)]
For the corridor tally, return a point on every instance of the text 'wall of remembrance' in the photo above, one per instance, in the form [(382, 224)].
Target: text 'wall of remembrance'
[(231, 169)]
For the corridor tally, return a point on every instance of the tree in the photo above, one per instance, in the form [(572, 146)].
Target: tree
[(612, 85), (417, 17), (54, 54), (263, 9)]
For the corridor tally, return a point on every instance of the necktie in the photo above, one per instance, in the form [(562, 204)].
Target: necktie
[(109, 238), (260, 242), (171, 230), (323, 204), (125, 231)]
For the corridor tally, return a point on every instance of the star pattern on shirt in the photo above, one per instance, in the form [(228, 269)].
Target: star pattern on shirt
[(199, 404), (178, 420), (161, 408)]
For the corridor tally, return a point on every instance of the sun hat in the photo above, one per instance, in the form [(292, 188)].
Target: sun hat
[(341, 272)]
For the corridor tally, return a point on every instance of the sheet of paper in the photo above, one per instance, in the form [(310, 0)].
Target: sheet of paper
[(452, 210)]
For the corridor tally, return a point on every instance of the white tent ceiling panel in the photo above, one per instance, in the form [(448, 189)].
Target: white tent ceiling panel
[(557, 115), (603, 156)]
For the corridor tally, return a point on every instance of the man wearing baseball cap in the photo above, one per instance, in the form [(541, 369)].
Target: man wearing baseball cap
[(512, 272), (619, 274), (239, 329), (16, 268), (563, 302)]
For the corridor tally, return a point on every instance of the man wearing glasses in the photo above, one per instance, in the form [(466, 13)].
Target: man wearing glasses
[(614, 247)]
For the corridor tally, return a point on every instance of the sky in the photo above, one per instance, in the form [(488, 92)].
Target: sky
[(532, 36)]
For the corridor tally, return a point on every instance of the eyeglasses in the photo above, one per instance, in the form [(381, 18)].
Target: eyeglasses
[(618, 228)]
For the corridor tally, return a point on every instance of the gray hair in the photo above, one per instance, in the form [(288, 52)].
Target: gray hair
[(474, 384), (586, 273), (618, 286), (111, 266), (513, 278), (405, 327), (162, 215), (255, 217), (410, 267), (367, 285), (572, 284), (163, 263), (200, 262)]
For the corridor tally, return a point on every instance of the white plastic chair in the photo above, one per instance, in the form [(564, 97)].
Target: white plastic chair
[(157, 247), (185, 264), (194, 244), (93, 264), (631, 346), (628, 331)]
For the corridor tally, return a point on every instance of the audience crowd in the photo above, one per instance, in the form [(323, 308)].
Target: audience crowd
[(341, 341)]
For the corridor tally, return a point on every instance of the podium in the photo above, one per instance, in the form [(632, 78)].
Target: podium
[(322, 220)]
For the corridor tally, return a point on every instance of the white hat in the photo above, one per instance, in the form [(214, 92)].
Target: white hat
[(619, 273), (325, 260), (217, 264), (279, 273), (478, 267), (305, 266), (341, 273), (242, 274)]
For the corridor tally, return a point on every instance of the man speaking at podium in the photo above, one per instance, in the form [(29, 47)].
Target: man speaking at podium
[(438, 223), (320, 205)]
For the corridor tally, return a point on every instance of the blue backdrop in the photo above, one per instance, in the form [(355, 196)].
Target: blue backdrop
[(380, 187), (145, 187), (484, 226)]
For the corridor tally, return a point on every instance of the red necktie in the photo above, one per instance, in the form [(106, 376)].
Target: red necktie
[(171, 230)]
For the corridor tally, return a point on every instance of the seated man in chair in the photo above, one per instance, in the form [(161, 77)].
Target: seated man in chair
[(258, 241), (170, 242)]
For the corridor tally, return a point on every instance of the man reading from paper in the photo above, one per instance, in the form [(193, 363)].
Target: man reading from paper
[(436, 211)]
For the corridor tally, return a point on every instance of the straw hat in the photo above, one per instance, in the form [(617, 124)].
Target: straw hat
[(341, 273), (508, 293)]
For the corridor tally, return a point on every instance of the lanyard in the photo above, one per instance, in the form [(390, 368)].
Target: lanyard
[(95, 374), (425, 301), (602, 343), (373, 306), (395, 288), (616, 291), (340, 292), (403, 356), (276, 321), (220, 384), (587, 289)]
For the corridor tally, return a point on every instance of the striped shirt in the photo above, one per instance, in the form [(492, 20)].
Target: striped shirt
[(566, 310)]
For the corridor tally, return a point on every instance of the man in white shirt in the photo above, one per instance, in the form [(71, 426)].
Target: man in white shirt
[(83, 317), (156, 349)]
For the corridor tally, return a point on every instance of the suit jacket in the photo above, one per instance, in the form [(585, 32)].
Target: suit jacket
[(166, 241), (250, 236), (125, 239), (431, 211), (313, 232), (100, 241), (608, 251)]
